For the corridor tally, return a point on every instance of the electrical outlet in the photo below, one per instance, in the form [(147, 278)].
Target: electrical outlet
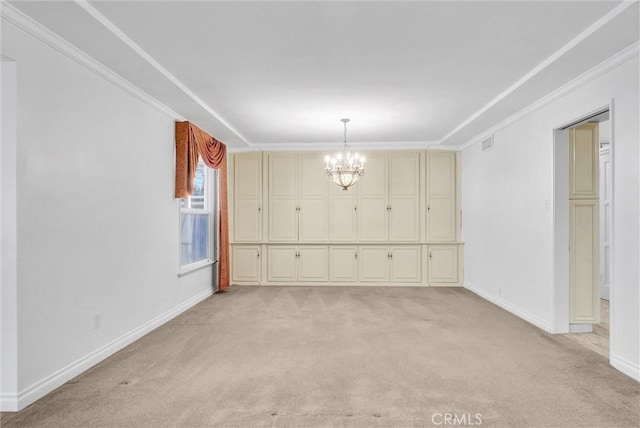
[(97, 320)]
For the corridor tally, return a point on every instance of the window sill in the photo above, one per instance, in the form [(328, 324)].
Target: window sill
[(184, 270)]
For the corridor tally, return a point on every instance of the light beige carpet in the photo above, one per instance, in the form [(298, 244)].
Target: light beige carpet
[(332, 356)]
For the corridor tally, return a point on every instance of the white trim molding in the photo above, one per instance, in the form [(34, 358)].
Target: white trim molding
[(17, 402), (604, 67), (509, 307), (333, 146), (625, 366), (26, 23), (546, 63)]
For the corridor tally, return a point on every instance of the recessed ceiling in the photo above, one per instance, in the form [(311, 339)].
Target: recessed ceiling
[(269, 74)]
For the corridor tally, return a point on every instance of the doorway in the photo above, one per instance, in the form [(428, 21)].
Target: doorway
[(583, 204)]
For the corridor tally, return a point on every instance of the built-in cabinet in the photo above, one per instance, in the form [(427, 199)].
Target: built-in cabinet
[(291, 263), (398, 225)]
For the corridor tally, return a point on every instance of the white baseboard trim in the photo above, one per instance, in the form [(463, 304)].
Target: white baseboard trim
[(510, 307), (16, 402), (626, 367)]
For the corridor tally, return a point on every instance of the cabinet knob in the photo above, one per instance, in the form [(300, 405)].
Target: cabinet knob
[(356, 255), (258, 255), (429, 254), (259, 209), (355, 208), (428, 208)]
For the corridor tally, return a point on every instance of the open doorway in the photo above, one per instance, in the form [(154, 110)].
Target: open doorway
[(583, 226)]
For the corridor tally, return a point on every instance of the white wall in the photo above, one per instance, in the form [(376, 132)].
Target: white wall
[(97, 222), (508, 195)]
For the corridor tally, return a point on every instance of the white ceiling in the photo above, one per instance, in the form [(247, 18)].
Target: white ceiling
[(269, 74)]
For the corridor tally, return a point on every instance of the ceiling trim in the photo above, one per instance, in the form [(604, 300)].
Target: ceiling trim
[(544, 64), (98, 16), (604, 67), (334, 146), (40, 32)]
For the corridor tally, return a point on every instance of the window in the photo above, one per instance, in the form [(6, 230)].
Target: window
[(197, 221)]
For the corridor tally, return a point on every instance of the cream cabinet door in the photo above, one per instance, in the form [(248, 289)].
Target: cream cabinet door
[(584, 267), (283, 204), (282, 263), (313, 199), (342, 214), (583, 162), (245, 263), (405, 264), (441, 196), (404, 197), (373, 203), (313, 264), (247, 197), (343, 265), (443, 264), (373, 264)]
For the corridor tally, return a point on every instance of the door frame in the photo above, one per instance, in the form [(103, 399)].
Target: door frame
[(560, 315)]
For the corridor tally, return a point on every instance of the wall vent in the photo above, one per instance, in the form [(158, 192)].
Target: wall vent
[(487, 144)]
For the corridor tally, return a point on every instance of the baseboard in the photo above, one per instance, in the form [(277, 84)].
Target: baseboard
[(12, 403), (626, 367), (510, 307)]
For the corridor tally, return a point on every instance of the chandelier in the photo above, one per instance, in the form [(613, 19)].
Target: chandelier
[(345, 168)]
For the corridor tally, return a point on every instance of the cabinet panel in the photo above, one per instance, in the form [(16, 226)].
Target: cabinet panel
[(405, 264), (283, 220), (282, 263), (343, 265), (313, 200), (246, 264), (584, 267), (313, 264), (373, 201), (247, 221), (441, 196), (247, 180), (404, 197), (443, 264), (342, 215), (583, 162), (283, 214), (373, 264)]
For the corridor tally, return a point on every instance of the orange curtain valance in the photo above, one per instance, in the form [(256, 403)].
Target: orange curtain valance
[(191, 144)]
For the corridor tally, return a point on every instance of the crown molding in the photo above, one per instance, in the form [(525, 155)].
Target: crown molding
[(333, 146), (604, 67), (28, 24), (124, 38), (544, 64)]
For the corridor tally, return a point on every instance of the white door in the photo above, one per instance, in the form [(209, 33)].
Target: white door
[(373, 263), (282, 263), (342, 214), (404, 197), (405, 264), (283, 206), (247, 197), (343, 266), (313, 199), (606, 190), (441, 196), (373, 202), (313, 263), (245, 263)]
